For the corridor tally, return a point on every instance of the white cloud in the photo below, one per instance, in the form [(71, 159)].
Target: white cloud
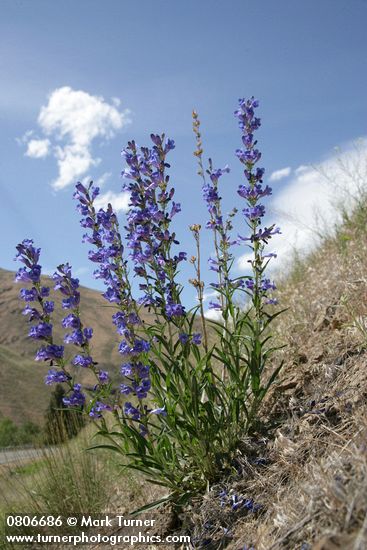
[(71, 121), (280, 174), (24, 138), (301, 168), (208, 295), (310, 205), (213, 315), (38, 148), (119, 201), (100, 182), (73, 161)]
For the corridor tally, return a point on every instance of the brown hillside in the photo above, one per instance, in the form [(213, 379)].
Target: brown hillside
[(23, 392)]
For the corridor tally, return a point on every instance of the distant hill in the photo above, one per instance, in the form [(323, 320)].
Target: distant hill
[(24, 396)]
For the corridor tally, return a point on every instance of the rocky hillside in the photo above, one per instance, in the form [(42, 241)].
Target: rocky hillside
[(304, 478)]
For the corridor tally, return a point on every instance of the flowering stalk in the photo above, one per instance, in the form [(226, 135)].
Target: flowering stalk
[(112, 270), (257, 286), (213, 201), (149, 219), (197, 283), (221, 228), (80, 337), (43, 330)]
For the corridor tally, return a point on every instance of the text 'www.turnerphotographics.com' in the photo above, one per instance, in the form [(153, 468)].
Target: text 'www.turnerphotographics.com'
[(81, 529)]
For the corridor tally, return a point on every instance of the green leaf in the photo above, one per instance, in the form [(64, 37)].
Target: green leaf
[(153, 505), (106, 447)]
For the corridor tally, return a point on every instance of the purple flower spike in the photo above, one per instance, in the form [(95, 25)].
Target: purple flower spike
[(252, 193)]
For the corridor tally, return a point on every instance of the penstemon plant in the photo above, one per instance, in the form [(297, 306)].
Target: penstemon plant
[(191, 387)]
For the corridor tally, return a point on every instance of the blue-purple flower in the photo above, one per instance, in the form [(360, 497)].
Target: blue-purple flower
[(98, 408), (75, 398), (49, 353), (84, 361), (42, 331), (56, 377), (131, 411)]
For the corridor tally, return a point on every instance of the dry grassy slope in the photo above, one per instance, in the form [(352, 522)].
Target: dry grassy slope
[(23, 393), (314, 487)]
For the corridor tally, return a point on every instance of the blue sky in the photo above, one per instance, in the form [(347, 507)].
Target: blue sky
[(143, 66)]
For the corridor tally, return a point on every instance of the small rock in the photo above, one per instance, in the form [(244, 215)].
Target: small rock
[(317, 353), (324, 319), (321, 323), (302, 357), (284, 445), (288, 385), (336, 324)]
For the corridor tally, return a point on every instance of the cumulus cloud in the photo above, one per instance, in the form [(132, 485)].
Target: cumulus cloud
[(38, 148), (213, 315), (119, 201), (310, 206), (280, 174), (71, 122)]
